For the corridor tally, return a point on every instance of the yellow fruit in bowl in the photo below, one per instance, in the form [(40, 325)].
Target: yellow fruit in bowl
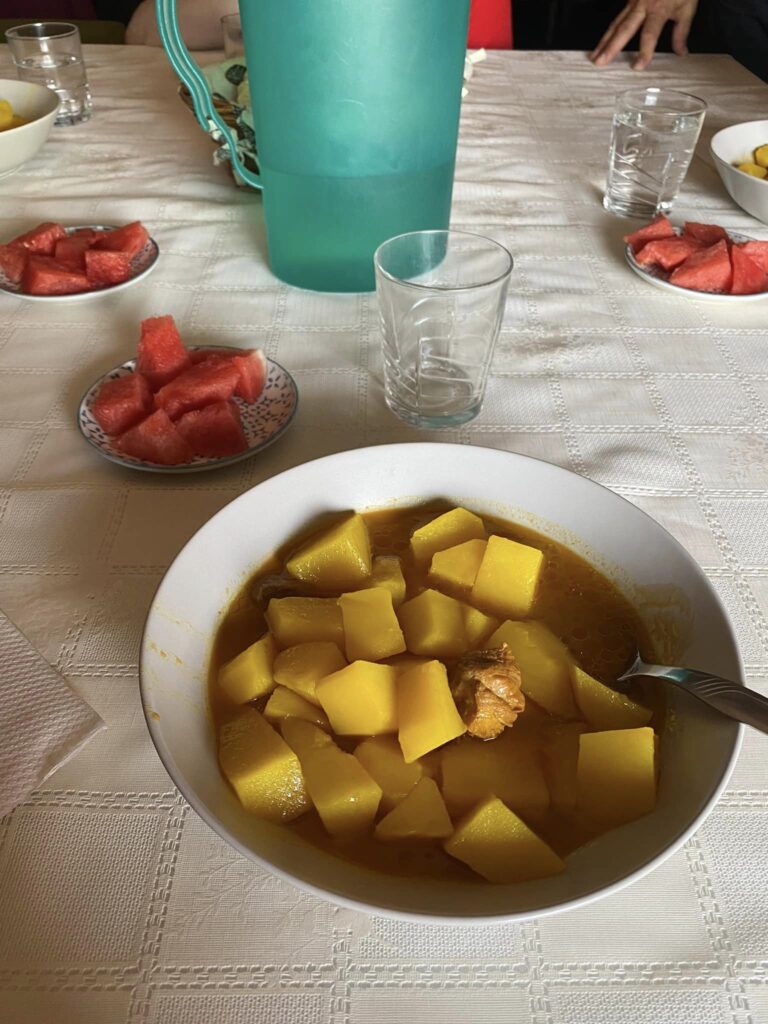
[(7, 117), (754, 169)]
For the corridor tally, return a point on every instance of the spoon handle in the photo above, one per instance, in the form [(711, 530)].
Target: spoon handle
[(726, 697)]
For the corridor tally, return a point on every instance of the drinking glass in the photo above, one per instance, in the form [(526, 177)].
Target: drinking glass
[(49, 53), (233, 35), (441, 301), (652, 142)]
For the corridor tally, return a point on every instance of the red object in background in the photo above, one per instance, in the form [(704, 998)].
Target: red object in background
[(490, 24)]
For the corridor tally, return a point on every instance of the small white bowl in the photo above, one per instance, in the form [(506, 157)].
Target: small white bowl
[(18, 145), (671, 593), (735, 145)]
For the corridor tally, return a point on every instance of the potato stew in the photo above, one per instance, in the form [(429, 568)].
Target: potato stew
[(427, 692)]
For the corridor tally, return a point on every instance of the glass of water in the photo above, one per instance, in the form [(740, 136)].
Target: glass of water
[(653, 139), (49, 53), (441, 300)]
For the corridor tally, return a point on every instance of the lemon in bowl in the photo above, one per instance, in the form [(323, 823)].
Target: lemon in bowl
[(27, 114)]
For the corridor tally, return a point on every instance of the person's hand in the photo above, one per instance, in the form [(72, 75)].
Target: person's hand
[(652, 15)]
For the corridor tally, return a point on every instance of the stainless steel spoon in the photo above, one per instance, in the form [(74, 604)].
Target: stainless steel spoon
[(726, 697)]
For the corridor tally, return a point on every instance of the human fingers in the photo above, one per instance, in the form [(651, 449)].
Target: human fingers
[(617, 37), (680, 35), (649, 37)]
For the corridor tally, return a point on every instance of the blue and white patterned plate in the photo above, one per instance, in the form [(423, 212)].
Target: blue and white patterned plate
[(142, 264), (264, 420)]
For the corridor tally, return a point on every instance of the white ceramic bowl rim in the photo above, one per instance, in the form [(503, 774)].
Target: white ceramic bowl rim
[(428, 452)]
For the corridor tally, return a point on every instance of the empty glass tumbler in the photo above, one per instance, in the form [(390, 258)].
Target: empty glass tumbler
[(441, 300), (49, 53), (652, 143)]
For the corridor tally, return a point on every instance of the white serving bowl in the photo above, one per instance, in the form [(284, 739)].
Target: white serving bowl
[(735, 145), (18, 145), (669, 590)]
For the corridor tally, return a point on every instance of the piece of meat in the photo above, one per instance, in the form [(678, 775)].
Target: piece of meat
[(486, 688)]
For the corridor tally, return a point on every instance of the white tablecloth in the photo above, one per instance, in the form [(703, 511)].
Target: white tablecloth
[(116, 902)]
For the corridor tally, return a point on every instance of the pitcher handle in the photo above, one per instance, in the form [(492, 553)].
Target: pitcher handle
[(193, 78)]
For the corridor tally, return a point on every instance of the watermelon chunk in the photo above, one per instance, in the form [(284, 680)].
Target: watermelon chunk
[(44, 275), (122, 402), (161, 352), (757, 252), (214, 431), (708, 270), (89, 234), (659, 227), (208, 382), (748, 277), (70, 251), (252, 367), (707, 234), (13, 260), (667, 253), (42, 239), (130, 239), (104, 268), (155, 439)]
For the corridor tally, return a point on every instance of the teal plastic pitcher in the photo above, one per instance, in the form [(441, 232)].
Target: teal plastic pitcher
[(356, 112)]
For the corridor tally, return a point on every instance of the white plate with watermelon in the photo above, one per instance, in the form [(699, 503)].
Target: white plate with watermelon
[(175, 409), (52, 263), (701, 261)]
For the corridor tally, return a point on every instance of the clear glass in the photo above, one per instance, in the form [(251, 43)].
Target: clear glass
[(652, 142), (441, 301), (233, 35), (49, 53)]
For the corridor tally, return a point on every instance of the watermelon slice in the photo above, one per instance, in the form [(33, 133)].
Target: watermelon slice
[(42, 239), (104, 268), (707, 234), (44, 275), (13, 260), (90, 234), (748, 277), (161, 352), (201, 385), (708, 270), (667, 253), (155, 439), (659, 227), (123, 402), (70, 251), (130, 239), (757, 252), (251, 366), (214, 431)]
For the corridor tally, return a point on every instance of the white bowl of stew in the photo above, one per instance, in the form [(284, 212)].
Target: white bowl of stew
[(674, 607)]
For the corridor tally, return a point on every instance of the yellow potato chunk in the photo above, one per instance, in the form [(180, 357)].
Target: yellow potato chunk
[(284, 703), (335, 558), (382, 758), (498, 845), (426, 713), (761, 156), (433, 625), (249, 675), (616, 776), (544, 663), (371, 629), (421, 815), (754, 169), (387, 573), (261, 768), (507, 578), (477, 626), (507, 767), (603, 707), (300, 620), (299, 667), (17, 122), (402, 662), (345, 795), (560, 753), (456, 568), (360, 700), (445, 531)]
